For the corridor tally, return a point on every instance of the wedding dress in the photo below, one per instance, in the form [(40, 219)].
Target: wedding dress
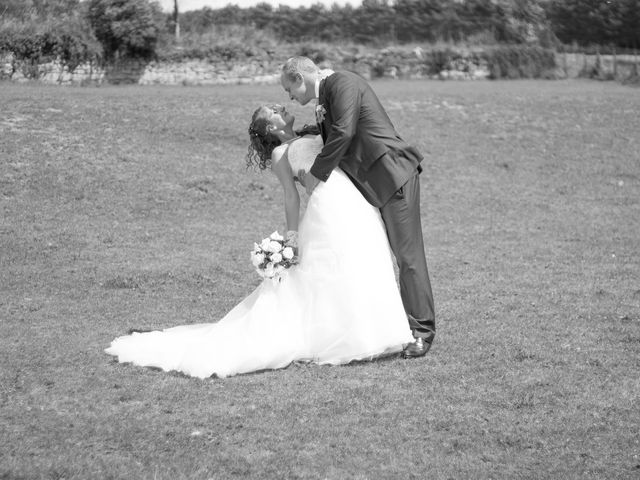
[(339, 304)]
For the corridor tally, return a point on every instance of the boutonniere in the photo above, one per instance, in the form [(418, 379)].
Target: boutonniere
[(320, 112)]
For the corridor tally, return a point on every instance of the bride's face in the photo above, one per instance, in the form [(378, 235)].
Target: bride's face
[(278, 117)]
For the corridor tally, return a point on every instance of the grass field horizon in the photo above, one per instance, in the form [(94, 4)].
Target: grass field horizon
[(131, 207)]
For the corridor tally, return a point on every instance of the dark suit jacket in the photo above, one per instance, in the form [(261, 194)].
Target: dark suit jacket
[(359, 137)]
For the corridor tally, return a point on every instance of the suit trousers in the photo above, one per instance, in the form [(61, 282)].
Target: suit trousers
[(401, 216)]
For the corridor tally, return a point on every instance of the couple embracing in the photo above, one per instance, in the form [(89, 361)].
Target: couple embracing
[(340, 303)]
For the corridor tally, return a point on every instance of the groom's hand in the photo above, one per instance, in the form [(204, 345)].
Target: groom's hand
[(300, 177), (310, 183)]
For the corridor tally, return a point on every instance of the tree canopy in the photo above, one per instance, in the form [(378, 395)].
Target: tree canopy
[(584, 22), (134, 28)]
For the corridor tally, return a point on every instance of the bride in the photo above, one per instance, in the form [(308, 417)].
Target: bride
[(340, 303)]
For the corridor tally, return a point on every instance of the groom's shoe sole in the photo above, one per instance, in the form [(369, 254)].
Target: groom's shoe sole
[(419, 348)]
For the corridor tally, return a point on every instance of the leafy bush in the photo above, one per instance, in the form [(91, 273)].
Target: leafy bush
[(519, 61), (31, 44), (438, 60), (319, 53), (73, 43), (226, 43), (126, 28)]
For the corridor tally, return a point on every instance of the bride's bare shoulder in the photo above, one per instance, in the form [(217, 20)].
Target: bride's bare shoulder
[(279, 153)]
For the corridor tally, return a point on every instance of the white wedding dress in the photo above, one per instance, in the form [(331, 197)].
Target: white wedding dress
[(339, 304)]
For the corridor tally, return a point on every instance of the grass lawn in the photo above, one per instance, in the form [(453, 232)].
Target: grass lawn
[(130, 207)]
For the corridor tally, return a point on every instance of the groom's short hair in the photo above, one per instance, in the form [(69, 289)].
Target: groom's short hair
[(296, 65)]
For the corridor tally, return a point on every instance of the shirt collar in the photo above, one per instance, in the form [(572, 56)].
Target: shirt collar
[(317, 88)]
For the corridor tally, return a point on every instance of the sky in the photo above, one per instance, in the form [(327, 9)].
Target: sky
[(185, 5)]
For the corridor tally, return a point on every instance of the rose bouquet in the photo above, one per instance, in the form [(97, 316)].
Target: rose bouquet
[(273, 255)]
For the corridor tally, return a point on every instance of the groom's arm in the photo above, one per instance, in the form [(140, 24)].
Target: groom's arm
[(343, 99)]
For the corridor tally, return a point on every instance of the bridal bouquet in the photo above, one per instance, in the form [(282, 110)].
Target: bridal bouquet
[(272, 256)]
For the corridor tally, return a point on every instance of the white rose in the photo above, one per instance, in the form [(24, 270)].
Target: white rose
[(276, 258), (274, 246), (287, 253), (257, 259), (276, 236), (264, 245)]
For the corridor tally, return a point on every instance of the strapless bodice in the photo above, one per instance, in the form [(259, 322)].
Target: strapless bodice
[(303, 151)]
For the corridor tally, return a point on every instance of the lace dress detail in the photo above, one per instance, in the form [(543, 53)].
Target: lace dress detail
[(303, 151), (340, 303)]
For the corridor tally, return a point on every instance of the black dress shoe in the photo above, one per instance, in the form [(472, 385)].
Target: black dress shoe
[(138, 330), (418, 348)]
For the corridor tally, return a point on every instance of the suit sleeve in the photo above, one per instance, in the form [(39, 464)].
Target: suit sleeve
[(343, 101)]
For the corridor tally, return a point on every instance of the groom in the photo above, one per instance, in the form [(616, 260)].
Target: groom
[(360, 138)]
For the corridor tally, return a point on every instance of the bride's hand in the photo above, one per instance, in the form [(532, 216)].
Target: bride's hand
[(291, 240)]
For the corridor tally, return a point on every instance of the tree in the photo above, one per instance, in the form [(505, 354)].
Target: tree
[(593, 22), (630, 28), (261, 15), (525, 20), (176, 19), (126, 28)]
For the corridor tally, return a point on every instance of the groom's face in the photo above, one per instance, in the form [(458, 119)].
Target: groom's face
[(297, 89)]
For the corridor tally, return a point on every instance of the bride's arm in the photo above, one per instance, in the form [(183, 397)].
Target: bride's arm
[(281, 167)]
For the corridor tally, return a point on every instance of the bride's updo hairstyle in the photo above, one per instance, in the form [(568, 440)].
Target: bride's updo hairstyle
[(261, 141)]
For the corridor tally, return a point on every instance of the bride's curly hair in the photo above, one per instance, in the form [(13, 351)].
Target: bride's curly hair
[(261, 141)]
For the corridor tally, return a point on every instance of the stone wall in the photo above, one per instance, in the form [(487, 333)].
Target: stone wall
[(192, 72), (619, 67), (203, 72)]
